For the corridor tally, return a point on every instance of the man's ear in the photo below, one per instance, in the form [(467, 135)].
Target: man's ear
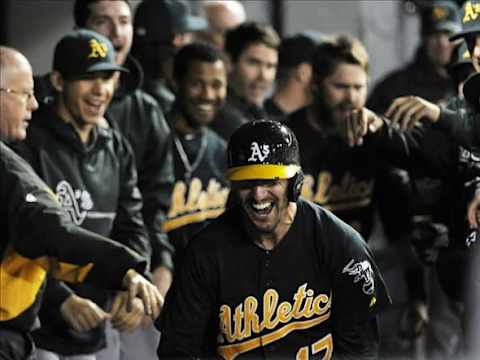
[(304, 73), (56, 79)]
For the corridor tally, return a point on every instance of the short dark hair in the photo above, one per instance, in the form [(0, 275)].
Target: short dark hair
[(341, 49), (248, 33), (194, 52), (81, 11)]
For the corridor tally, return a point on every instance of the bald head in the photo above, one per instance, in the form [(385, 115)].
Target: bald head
[(16, 94), (11, 61), (222, 15)]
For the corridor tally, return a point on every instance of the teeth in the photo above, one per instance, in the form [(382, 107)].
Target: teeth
[(261, 206), (205, 107)]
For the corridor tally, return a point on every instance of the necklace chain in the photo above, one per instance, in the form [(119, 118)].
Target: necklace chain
[(189, 167)]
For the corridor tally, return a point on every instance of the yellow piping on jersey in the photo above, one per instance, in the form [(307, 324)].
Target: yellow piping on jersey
[(169, 225), (230, 352)]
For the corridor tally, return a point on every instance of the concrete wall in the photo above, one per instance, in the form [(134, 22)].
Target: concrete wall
[(390, 35)]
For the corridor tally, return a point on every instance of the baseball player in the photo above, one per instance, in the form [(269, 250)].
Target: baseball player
[(275, 275), (201, 189)]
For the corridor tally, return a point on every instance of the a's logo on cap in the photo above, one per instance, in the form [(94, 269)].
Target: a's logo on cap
[(471, 12), (439, 13), (466, 55), (98, 49), (259, 152)]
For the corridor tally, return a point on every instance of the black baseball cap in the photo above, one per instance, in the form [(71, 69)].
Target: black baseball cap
[(470, 19), (83, 51), (157, 20), (440, 16), (297, 49)]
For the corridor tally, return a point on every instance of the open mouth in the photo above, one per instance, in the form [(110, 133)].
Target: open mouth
[(94, 107), (261, 209), (205, 107)]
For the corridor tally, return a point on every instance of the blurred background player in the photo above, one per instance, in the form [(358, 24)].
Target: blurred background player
[(222, 16), (252, 50), (161, 27), (294, 74)]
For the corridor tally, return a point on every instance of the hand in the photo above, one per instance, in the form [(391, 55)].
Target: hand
[(407, 111), (359, 123), (162, 279), (124, 320), (473, 211), (414, 320), (137, 285), (82, 314)]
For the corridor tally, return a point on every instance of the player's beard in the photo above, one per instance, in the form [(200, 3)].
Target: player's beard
[(269, 225), (189, 119), (331, 118)]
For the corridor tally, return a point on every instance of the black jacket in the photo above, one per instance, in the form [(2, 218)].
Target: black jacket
[(38, 237), (96, 184), (140, 119)]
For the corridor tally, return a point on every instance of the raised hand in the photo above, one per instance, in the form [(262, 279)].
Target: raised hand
[(406, 111), (359, 123)]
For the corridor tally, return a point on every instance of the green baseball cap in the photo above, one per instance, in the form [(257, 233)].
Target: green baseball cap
[(440, 16), (81, 52), (470, 19)]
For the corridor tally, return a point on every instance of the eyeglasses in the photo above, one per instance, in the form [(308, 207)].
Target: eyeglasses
[(26, 95)]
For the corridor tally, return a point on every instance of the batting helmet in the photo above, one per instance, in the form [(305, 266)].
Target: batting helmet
[(265, 150)]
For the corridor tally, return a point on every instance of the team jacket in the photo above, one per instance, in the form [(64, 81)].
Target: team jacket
[(38, 237), (139, 118), (316, 289), (200, 196), (96, 184)]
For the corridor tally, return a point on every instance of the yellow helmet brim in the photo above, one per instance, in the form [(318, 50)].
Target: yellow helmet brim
[(262, 172)]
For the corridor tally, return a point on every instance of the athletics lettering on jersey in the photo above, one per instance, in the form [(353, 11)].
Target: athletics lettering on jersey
[(361, 271), (194, 204), (306, 310), (348, 193), (259, 152)]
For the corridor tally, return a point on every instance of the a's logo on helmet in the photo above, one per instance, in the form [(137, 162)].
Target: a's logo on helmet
[(259, 152)]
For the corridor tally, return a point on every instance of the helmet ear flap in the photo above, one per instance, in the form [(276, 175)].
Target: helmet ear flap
[(295, 186)]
